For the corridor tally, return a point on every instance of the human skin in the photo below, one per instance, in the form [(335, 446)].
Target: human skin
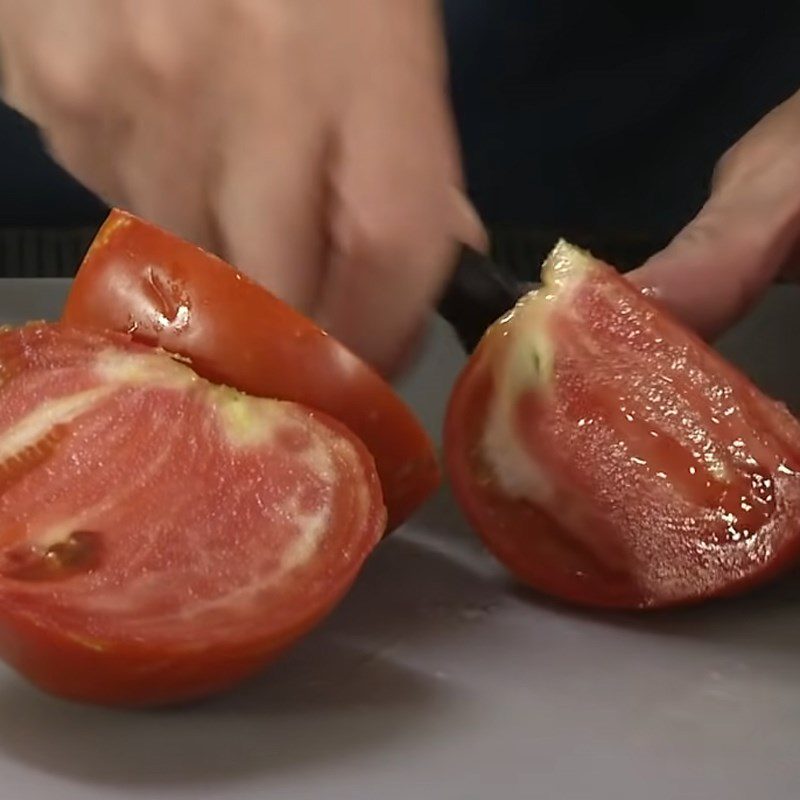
[(309, 143), (746, 235), (312, 144)]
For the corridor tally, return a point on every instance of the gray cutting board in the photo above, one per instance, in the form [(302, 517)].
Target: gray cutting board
[(437, 678)]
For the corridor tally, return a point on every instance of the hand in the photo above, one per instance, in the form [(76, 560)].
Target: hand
[(309, 143), (746, 235)]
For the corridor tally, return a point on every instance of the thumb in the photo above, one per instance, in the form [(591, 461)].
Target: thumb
[(720, 264)]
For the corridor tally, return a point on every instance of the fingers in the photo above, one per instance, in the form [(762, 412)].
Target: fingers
[(398, 213), (393, 252), (309, 144), (720, 264), (745, 235), (268, 210)]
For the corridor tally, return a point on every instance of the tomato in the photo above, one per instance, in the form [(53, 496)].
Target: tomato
[(609, 457), (162, 537), (139, 279)]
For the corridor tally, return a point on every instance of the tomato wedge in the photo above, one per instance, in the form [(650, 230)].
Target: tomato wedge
[(609, 457), (139, 279), (162, 537)]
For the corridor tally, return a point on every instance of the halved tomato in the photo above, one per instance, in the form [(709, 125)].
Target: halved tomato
[(609, 457), (139, 279), (162, 537)]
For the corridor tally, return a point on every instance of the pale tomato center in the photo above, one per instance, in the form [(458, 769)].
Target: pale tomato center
[(143, 496)]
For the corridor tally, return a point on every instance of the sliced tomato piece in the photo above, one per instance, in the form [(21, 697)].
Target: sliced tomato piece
[(139, 279), (609, 457), (162, 537)]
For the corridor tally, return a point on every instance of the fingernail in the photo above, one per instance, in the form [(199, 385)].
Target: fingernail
[(469, 227)]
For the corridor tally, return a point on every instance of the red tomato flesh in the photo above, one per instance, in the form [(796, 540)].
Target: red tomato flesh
[(609, 457), (141, 280), (162, 537)]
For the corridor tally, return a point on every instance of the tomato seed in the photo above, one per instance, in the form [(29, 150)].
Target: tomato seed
[(79, 553)]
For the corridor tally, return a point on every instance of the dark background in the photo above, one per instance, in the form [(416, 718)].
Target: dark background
[(600, 120)]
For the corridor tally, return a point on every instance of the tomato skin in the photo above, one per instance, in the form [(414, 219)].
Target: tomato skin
[(59, 630), (521, 535), (610, 528), (135, 675), (139, 279)]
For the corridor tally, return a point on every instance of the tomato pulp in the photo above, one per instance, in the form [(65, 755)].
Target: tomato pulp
[(609, 457), (162, 537), (139, 279)]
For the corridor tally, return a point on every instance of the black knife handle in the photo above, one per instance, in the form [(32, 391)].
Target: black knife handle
[(478, 294)]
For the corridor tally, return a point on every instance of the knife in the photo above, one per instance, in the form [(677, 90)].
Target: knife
[(480, 291)]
